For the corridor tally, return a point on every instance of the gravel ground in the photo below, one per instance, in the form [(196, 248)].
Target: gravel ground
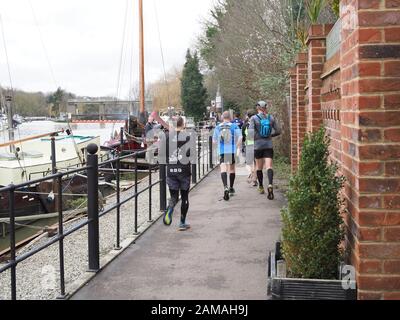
[(38, 277)]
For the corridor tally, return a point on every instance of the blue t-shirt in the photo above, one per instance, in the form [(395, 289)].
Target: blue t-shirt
[(238, 122), (226, 135)]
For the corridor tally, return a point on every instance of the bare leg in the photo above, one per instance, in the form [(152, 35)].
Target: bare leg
[(268, 163), (254, 174)]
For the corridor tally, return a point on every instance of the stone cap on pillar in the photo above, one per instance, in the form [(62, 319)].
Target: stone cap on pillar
[(92, 148), (301, 58), (292, 72), (318, 32)]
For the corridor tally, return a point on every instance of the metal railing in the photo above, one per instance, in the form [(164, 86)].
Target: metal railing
[(92, 169)]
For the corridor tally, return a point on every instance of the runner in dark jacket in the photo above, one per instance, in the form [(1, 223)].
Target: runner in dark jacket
[(178, 172)]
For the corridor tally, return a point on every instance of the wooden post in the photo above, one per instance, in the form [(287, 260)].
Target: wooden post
[(141, 60)]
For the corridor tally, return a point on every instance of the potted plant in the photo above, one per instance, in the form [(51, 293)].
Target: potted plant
[(312, 229)]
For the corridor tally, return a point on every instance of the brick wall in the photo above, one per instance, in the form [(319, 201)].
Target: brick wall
[(293, 118), (316, 43), (356, 96), (330, 100), (301, 74), (370, 62)]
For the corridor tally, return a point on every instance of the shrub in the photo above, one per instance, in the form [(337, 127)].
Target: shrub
[(313, 227), (335, 5), (314, 9)]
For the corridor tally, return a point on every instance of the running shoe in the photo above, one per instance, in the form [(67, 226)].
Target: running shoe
[(232, 192), (261, 190), (271, 192), (226, 194), (184, 226), (168, 216), (255, 183)]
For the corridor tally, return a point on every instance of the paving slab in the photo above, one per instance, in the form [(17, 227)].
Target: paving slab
[(222, 257)]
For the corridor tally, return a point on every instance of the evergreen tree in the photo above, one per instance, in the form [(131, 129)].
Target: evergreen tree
[(312, 222), (193, 93), (59, 101)]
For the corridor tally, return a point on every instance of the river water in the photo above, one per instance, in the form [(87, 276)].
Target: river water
[(26, 129), (103, 130)]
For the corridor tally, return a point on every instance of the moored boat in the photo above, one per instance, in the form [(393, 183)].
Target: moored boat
[(32, 160)]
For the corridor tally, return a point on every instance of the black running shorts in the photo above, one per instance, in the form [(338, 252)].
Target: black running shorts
[(179, 182), (228, 158), (264, 153)]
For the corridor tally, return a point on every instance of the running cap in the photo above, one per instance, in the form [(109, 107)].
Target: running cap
[(262, 105)]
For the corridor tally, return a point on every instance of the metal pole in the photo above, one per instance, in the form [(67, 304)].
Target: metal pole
[(10, 118), (208, 155), (93, 208), (199, 155), (163, 187), (118, 179), (203, 150), (54, 167), (53, 155), (136, 193), (210, 146), (194, 173), (12, 244), (141, 61), (61, 242), (150, 195), (121, 139), (194, 169)]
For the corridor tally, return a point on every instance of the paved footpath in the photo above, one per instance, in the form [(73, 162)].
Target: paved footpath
[(223, 256)]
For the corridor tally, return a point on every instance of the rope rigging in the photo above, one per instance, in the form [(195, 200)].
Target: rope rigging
[(2, 97), (22, 166), (35, 20), (6, 54), (162, 52), (121, 60), (51, 69)]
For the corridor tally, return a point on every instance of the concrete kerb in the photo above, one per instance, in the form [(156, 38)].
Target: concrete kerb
[(113, 254)]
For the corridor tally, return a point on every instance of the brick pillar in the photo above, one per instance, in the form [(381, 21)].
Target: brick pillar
[(370, 128), (293, 118), (316, 43), (301, 72)]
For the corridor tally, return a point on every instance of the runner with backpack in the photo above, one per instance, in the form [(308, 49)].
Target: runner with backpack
[(228, 136), (264, 127)]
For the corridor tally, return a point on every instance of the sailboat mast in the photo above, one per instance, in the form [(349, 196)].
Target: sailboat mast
[(141, 61), (10, 117)]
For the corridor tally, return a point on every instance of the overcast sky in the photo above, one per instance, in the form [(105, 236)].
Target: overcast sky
[(83, 39)]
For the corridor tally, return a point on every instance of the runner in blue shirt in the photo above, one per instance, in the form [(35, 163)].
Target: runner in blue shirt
[(228, 136), (238, 121)]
